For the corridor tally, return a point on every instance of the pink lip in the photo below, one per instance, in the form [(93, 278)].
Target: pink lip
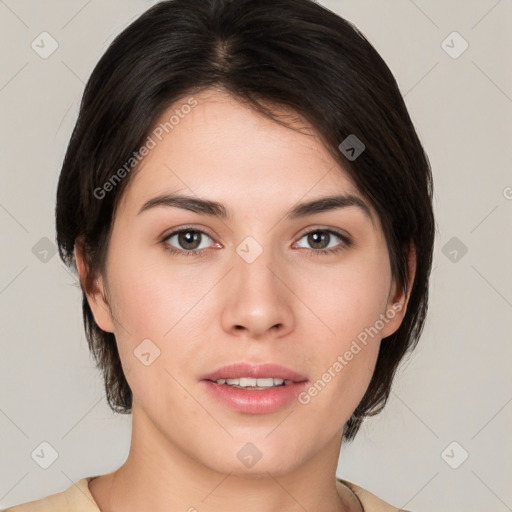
[(254, 370), (255, 401)]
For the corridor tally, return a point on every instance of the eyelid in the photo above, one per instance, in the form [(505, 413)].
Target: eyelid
[(200, 229), (339, 232)]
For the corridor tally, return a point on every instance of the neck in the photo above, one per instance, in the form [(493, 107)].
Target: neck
[(159, 475)]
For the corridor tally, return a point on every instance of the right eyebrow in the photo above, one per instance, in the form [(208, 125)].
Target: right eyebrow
[(197, 205)]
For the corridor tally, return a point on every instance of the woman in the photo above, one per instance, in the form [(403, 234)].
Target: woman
[(249, 211)]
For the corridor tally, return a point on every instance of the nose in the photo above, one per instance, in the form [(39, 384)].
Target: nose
[(258, 301)]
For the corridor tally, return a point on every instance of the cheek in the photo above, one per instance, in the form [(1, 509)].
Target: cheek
[(153, 300), (151, 304), (152, 295), (348, 298), (349, 304)]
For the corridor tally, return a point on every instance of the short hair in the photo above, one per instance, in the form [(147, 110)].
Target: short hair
[(268, 54)]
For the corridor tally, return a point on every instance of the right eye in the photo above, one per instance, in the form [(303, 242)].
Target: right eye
[(188, 241)]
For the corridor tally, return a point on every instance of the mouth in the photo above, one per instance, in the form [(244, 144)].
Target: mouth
[(254, 388), (254, 374), (250, 383)]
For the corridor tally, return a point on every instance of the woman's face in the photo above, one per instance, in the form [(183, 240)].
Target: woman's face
[(310, 292)]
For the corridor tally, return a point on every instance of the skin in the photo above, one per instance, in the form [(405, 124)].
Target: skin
[(204, 312)]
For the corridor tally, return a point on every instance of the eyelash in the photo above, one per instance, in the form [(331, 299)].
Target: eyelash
[(347, 242)]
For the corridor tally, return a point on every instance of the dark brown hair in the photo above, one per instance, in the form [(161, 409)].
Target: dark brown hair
[(294, 54)]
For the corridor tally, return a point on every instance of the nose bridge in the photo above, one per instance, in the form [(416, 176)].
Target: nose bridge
[(260, 300), (252, 267)]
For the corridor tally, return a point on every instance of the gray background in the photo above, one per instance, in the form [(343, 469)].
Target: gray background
[(456, 387)]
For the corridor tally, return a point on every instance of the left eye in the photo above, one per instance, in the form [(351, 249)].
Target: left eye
[(321, 239)]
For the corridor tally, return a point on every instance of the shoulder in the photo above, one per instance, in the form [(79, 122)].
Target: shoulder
[(77, 497), (370, 502)]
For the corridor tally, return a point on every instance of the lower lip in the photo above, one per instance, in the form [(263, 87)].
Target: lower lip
[(255, 401)]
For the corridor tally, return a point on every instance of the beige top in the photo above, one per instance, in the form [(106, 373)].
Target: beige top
[(78, 498)]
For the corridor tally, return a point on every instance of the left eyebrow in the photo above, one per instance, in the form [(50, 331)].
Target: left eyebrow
[(324, 204), (216, 209)]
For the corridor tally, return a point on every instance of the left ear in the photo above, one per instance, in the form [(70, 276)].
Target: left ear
[(397, 299)]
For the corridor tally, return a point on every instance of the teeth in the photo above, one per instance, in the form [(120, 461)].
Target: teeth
[(245, 382)]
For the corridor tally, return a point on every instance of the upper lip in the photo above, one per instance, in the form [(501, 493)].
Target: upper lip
[(254, 370)]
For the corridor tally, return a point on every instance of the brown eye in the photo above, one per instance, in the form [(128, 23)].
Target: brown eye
[(323, 241), (187, 240), (318, 239)]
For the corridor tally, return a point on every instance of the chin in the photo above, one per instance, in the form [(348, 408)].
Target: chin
[(253, 459)]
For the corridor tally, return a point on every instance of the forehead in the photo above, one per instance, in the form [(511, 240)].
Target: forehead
[(225, 150)]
